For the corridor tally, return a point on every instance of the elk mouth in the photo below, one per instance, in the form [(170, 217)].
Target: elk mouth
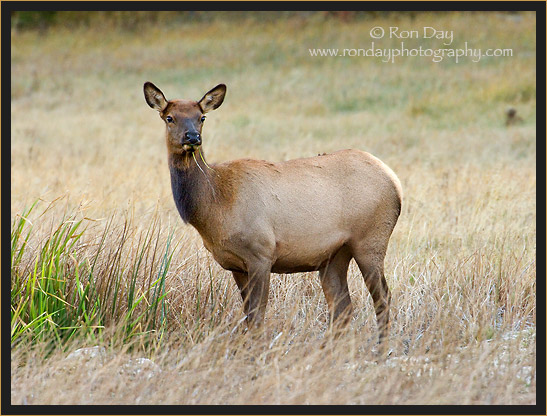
[(190, 147)]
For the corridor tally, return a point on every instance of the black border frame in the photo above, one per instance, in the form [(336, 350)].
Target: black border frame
[(6, 7)]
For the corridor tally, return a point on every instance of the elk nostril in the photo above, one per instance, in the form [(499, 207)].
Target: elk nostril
[(193, 138)]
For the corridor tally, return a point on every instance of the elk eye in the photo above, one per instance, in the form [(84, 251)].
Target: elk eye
[(202, 119), (169, 119)]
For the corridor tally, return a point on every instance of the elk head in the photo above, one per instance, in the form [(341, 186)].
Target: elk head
[(183, 118)]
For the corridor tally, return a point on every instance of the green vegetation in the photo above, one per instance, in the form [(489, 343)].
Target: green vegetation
[(70, 289)]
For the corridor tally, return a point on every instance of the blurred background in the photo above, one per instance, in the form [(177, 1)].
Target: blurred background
[(133, 20), (80, 123)]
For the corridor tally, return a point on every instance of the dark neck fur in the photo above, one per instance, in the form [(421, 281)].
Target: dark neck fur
[(191, 183)]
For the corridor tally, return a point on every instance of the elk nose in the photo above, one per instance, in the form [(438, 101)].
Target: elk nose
[(192, 138)]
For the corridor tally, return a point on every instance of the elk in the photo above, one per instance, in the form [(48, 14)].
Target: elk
[(302, 215)]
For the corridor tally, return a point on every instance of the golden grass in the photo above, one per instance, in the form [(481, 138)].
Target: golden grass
[(461, 262)]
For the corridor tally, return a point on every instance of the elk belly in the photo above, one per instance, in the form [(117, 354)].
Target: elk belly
[(306, 253)]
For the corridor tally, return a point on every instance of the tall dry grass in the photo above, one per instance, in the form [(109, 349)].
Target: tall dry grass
[(461, 262)]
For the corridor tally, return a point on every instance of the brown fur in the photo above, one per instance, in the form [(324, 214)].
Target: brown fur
[(311, 214)]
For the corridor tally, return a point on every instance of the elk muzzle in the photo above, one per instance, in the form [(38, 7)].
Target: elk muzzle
[(191, 140)]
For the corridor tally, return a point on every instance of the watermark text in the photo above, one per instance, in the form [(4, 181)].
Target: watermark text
[(390, 55)]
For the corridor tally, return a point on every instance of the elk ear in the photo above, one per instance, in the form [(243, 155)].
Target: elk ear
[(154, 97), (213, 98)]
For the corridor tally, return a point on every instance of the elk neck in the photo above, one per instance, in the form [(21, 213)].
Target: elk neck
[(194, 184)]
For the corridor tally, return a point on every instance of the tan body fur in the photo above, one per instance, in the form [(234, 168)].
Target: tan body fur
[(309, 214), (299, 213)]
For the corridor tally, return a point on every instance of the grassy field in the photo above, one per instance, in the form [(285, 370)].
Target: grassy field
[(101, 259)]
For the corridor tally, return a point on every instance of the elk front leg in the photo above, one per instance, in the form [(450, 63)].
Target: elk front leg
[(258, 289), (242, 282)]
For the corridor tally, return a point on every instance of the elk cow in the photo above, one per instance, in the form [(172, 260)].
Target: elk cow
[(258, 217)]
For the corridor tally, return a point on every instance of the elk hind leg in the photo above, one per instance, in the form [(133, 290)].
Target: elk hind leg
[(334, 282), (371, 264)]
